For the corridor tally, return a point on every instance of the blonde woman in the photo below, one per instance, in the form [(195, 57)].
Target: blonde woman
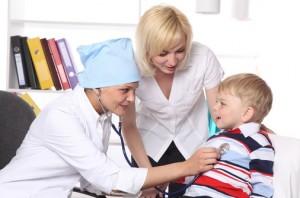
[(179, 77)]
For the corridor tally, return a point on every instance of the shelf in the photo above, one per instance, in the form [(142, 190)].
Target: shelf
[(37, 91), (79, 22)]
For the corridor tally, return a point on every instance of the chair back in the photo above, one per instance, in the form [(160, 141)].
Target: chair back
[(16, 116), (286, 168)]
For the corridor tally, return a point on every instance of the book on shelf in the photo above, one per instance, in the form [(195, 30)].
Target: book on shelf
[(31, 102), (59, 64), (51, 64), (67, 61), (40, 63), (19, 61), (33, 80)]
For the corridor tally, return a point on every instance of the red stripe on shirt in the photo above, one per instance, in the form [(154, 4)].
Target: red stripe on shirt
[(221, 187)]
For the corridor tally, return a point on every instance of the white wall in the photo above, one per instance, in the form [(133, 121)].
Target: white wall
[(268, 43), (3, 43)]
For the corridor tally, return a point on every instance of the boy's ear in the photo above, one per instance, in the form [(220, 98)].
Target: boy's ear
[(248, 114)]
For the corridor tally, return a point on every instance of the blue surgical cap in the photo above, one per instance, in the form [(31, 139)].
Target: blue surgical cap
[(108, 63)]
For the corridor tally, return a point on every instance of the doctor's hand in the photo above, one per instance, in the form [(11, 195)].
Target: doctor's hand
[(152, 192), (203, 160)]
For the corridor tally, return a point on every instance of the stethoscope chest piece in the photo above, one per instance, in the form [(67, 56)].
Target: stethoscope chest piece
[(224, 148)]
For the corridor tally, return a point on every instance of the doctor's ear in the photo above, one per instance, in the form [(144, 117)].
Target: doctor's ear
[(97, 91)]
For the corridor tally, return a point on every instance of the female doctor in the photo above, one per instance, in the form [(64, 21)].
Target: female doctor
[(68, 140)]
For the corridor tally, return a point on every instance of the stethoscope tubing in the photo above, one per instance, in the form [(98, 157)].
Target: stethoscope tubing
[(119, 132)]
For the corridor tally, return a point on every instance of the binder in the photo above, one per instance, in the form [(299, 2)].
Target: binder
[(51, 64), (40, 63), (18, 57), (58, 63), (31, 102), (67, 62), (33, 80)]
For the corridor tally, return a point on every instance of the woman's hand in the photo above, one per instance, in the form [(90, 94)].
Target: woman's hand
[(153, 193), (266, 129), (149, 193), (203, 160)]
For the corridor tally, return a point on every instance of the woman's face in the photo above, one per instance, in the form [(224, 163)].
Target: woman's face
[(168, 59), (228, 111), (117, 98)]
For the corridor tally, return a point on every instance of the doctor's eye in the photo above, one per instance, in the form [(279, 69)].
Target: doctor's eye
[(125, 90)]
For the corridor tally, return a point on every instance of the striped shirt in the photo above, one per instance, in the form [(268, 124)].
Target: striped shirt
[(246, 170)]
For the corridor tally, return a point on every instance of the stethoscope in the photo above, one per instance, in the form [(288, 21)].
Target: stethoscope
[(119, 132), (223, 148)]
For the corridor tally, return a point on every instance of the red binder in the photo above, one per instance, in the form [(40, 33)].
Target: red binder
[(58, 63), (51, 64)]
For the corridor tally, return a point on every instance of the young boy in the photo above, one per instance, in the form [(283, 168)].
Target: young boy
[(246, 166)]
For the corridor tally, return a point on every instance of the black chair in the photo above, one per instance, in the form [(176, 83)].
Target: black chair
[(16, 116)]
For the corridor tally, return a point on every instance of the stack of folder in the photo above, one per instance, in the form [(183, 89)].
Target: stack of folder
[(43, 63)]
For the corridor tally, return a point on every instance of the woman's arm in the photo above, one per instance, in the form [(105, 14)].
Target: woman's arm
[(136, 147), (211, 97), (202, 160), (133, 138)]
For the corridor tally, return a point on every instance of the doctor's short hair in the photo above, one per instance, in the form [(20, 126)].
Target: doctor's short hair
[(253, 92), (161, 28)]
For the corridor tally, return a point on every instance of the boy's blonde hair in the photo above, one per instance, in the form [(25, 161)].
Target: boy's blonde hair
[(161, 28), (253, 92)]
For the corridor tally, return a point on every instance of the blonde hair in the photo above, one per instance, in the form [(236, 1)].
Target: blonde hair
[(253, 92), (161, 28)]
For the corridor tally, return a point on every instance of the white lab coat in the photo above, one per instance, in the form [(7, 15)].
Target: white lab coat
[(66, 143), (183, 118)]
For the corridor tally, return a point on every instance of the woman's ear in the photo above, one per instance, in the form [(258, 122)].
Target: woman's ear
[(248, 114)]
